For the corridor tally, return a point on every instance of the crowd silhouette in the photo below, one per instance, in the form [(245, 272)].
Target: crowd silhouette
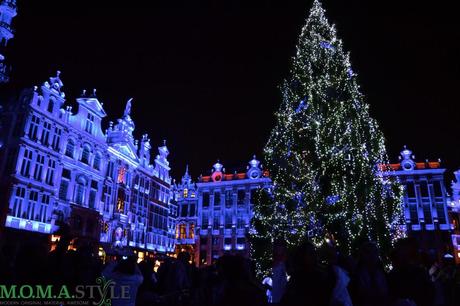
[(306, 276)]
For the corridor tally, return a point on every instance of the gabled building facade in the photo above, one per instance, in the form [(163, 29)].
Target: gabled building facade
[(59, 167), (425, 200), (215, 213)]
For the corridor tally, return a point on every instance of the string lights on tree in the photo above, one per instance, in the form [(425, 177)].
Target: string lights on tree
[(325, 156)]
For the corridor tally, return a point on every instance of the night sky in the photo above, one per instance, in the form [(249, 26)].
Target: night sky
[(205, 76)]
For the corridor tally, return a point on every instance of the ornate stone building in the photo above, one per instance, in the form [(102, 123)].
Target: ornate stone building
[(425, 200), (215, 213), (59, 167), (7, 13)]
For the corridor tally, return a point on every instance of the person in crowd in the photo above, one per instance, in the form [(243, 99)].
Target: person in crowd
[(236, 286), (340, 295), (125, 274), (267, 283), (88, 266), (279, 275), (309, 282), (369, 284), (408, 282), (146, 293)]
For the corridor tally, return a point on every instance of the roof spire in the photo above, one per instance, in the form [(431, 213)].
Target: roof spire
[(127, 111)]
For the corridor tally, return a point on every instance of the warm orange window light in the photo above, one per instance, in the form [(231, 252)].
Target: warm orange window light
[(185, 192), (183, 232), (122, 175), (191, 232)]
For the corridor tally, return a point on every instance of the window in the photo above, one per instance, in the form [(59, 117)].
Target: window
[(437, 188), (85, 154), (228, 220), (69, 150), (26, 161), (92, 199), (440, 209), (228, 240), (427, 213), (122, 175), (424, 189), (66, 173), (205, 221), (185, 192), (80, 190), (217, 199), (46, 133), (50, 106), (216, 222), (182, 231), (241, 196), (56, 138), (18, 202), (97, 161), (33, 127), (89, 123), (184, 210), (240, 222), (253, 195), (413, 213), (44, 208), (110, 169), (240, 240), (206, 199), (228, 198), (33, 199), (63, 190), (92, 195), (50, 172), (410, 190), (192, 210), (107, 193), (39, 163), (121, 201), (191, 231)]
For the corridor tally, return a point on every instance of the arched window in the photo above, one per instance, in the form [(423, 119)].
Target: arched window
[(70, 148), (50, 106), (97, 161), (85, 154)]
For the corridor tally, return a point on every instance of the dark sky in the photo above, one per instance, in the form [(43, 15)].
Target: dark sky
[(204, 76)]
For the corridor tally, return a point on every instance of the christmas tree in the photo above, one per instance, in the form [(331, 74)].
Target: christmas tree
[(325, 156)]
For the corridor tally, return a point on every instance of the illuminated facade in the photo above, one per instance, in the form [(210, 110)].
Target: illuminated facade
[(186, 196), (215, 213), (7, 13), (425, 200), (61, 167), (454, 214)]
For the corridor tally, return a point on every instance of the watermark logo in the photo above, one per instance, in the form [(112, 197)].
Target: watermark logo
[(100, 294)]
